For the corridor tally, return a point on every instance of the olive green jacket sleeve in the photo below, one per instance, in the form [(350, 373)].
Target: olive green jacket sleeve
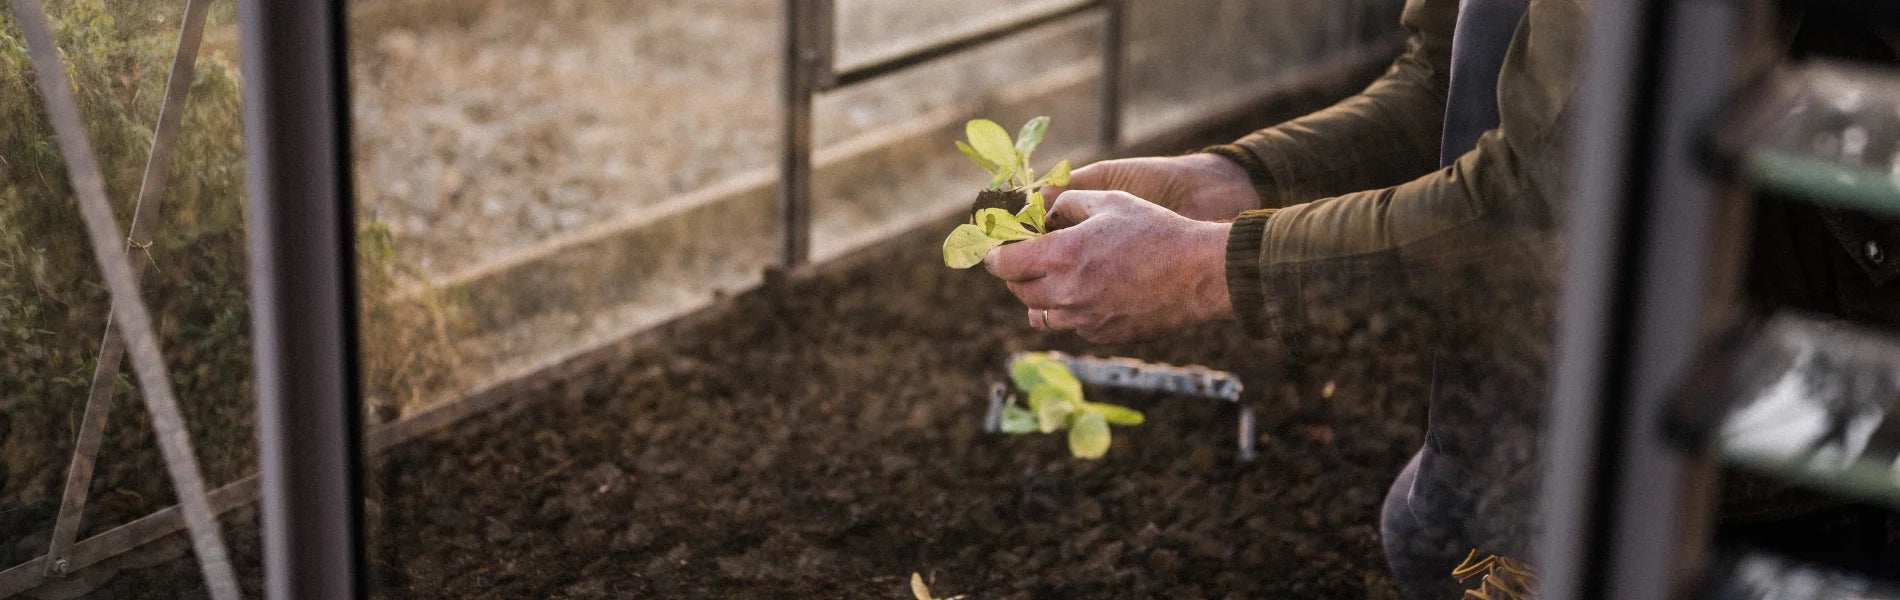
[(1385, 135), (1300, 269)]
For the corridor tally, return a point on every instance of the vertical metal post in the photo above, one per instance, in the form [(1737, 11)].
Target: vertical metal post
[(303, 296), (131, 314), (1355, 23), (1651, 273), (1114, 55), (807, 53), (105, 374)]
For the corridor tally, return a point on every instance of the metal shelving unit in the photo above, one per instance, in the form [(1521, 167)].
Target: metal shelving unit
[(1664, 373)]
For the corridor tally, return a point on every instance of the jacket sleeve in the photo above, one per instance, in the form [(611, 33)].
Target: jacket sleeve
[(1481, 223), (1385, 135)]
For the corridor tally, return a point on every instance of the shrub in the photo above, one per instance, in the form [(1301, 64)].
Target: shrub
[(53, 303)]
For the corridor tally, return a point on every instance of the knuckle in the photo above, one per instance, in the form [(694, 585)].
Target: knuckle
[(1062, 260), (1064, 298)]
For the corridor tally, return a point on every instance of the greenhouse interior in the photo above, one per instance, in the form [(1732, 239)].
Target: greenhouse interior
[(1226, 299)]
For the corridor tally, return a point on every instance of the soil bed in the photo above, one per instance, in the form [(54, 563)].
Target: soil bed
[(822, 441)]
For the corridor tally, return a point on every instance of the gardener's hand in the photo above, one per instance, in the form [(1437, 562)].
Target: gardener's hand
[(1120, 269), (1203, 187)]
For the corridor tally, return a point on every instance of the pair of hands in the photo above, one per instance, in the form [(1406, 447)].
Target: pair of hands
[(1132, 250)]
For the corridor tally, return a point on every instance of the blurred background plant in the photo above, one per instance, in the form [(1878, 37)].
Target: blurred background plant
[(53, 304)]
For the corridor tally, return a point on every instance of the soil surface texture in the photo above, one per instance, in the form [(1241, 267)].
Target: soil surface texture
[(821, 439)]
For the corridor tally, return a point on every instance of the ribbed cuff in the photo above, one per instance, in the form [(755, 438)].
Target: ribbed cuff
[(1257, 172), (1244, 286)]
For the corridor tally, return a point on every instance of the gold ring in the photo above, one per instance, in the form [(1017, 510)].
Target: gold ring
[(1045, 319)]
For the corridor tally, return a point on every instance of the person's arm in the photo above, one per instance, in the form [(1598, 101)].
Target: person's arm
[(1386, 134), (1121, 268), (1383, 136), (1293, 269)]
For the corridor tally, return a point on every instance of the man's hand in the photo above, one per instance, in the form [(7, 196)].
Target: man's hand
[(1203, 187), (1120, 269)]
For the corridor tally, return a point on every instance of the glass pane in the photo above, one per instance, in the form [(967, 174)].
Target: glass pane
[(534, 181), (1238, 51), (820, 432), (871, 30), (885, 139), (54, 308)]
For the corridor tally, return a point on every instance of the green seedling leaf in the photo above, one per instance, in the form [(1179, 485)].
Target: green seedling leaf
[(1058, 176), (967, 245), (1001, 176), (1031, 136), (1035, 369), (976, 158), (1088, 436), (1018, 420), (1115, 415), (1032, 214), (998, 224), (990, 141), (1052, 408)]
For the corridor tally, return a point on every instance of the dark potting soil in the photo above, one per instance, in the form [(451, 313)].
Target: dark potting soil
[(821, 439)]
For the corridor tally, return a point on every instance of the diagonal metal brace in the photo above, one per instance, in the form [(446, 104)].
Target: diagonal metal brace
[(1131, 374), (133, 318), (105, 374)]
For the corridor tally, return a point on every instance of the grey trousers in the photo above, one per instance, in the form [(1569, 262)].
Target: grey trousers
[(1422, 546)]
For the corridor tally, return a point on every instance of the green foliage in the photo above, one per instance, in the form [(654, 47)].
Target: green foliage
[(1007, 163), (53, 304), (1055, 403), (408, 355)]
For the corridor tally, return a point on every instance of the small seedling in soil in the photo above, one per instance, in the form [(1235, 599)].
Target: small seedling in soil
[(1011, 208), (1055, 403)]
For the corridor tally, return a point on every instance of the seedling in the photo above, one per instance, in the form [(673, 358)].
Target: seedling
[(1011, 180), (1055, 403)]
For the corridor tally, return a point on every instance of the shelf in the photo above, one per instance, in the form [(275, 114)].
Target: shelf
[(1806, 400), (1754, 575), (1825, 132)]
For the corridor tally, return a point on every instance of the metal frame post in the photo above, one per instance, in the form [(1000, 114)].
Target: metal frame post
[(303, 297), (1651, 275), (1114, 56), (807, 54)]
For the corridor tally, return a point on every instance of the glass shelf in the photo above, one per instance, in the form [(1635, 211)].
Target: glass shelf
[(1826, 132), (1756, 575), (1809, 400)]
